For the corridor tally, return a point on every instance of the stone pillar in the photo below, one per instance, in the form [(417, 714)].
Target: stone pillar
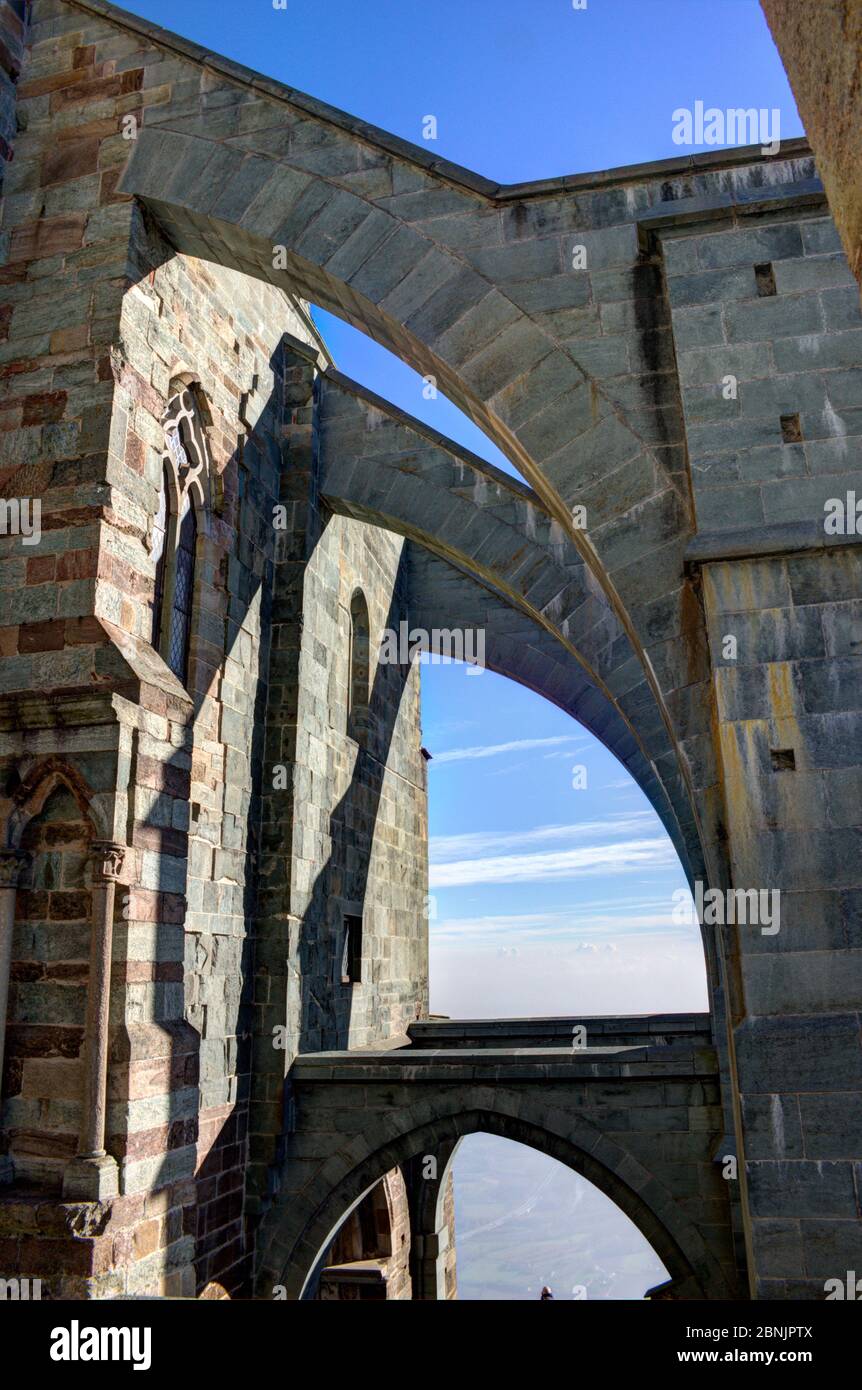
[(432, 1217), (12, 861), (92, 1174)]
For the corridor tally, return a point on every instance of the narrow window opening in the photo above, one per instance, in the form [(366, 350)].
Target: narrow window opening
[(791, 429), (184, 580), (175, 529), (783, 759), (359, 680), (351, 959), (764, 277), (159, 554)]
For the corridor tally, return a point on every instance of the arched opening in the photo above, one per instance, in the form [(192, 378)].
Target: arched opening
[(552, 878), (359, 679), (183, 490), (297, 1236), (368, 1261), (524, 1221), (49, 971), (179, 631)]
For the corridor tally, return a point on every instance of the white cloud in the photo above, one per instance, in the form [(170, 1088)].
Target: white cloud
[(490, 750), (554, 865), (584, 921), (476, 843)]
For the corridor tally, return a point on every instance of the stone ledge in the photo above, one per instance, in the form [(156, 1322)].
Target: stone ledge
[(524, 1064), (754, 542)]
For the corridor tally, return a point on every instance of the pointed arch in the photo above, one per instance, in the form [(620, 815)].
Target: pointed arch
[(297, 1233), (359, 668), (183, 502), (36, 785)]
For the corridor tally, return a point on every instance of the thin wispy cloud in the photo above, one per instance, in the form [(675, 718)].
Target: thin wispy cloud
[(477, 843), (584, 922), (555, 865), (491, 750)]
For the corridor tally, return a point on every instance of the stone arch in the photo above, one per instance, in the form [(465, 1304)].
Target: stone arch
[(377, 1229), (52, 831), (39, 780), (299, 1226), (387, 469), (427, 276)]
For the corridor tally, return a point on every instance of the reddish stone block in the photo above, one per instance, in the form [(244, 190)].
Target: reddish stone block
[(44, 409), (45, 1040), (136, 454), (68, 906), (73, 159), (146, 1240), (162, 839), (42, 637), (54, 81), (25, 971), (50, 236), (77, 564), (40, 569), (83, 92), (85, 632), (67, 971), (44, 1143), (54, 1079)]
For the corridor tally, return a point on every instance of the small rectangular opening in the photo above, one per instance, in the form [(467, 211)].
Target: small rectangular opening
[(764, 278), (351, 957), (783, 759), (791, 429)]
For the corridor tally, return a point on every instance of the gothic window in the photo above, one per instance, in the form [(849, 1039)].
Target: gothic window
[(175, 527), (184, 579), (159, 554), (360, 671)]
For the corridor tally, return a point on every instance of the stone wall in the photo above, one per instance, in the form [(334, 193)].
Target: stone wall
[(769, 343), (47, 1004), (344, 828), (13, 17), (768, 336), (171, 773), (821, 48)]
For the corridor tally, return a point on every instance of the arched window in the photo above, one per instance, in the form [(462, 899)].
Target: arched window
[(175, 528), (184, 582), (159, 553), (359, 680)]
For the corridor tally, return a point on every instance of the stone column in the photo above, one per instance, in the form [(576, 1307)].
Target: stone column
[(92, 1174), (12, 862)]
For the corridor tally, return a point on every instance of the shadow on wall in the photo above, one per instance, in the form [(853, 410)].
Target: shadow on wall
[(331, 965)]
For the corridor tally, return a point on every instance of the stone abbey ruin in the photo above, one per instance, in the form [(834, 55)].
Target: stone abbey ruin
[(219, 1073)]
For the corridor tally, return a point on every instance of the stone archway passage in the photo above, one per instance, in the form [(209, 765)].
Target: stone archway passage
[(640, 1122), (381, 466)]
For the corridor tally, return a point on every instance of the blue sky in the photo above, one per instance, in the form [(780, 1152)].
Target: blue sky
[(547, 899)]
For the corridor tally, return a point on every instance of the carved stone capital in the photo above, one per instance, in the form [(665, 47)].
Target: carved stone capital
[(12, 864), (107, 858)]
